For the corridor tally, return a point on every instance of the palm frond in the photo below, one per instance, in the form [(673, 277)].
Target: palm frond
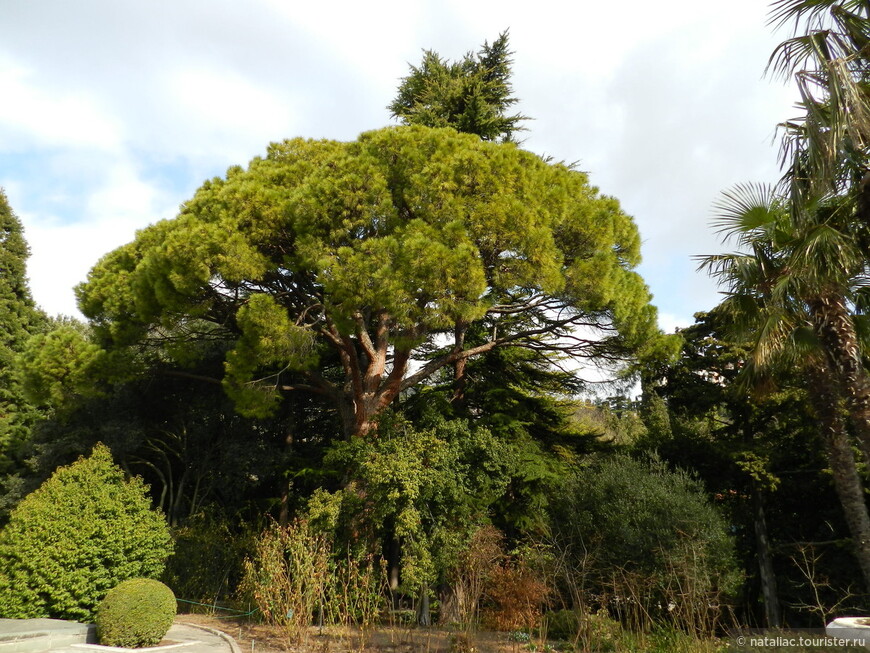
[(795, 53), (773, 335), (744, 314), (803, 341), (828, 59), (824, 253), (738, 272), (812, 13), (783, 12), (744, 209)]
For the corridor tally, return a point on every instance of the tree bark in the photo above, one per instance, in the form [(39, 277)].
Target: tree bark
[(423, 616), (460, 381), (460, 378), (847, 482), (347, 412), (835, 329), (769, 593)]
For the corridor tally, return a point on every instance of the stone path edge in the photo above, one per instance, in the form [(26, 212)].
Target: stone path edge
[(229, 640)]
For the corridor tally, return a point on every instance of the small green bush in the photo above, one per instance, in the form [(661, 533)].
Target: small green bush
[(136, 613), (86, 529), (563, 624)]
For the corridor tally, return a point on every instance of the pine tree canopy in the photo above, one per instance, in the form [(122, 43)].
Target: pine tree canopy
[(371, 249)]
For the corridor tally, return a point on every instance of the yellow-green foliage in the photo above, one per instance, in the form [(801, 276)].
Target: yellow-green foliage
[(136, 613), (424, 228), (433, 485), (83, 531), (59, 363)]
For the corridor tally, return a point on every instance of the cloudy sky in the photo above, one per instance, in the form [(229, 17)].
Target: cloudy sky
[(113, 112)]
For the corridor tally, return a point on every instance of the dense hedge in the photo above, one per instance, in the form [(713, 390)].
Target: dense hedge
[(136, 613), (86, 529)]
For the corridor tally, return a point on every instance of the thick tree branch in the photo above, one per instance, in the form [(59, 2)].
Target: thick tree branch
[(525, 338), (391, 388), (363, 337)]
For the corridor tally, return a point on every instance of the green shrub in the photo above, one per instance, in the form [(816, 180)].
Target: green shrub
[(208, 562), (644, 542), (86, 529), (136, 613), (562, 624)]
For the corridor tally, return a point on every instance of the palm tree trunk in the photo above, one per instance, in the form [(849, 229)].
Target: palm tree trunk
[(833, 325), (847, 482)]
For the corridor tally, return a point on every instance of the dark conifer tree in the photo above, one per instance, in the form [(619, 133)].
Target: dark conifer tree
[(473, 95), (19, 318)]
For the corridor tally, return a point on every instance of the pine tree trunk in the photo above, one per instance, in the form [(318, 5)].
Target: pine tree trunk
[(847, 482), (347, 412), (460, 381)]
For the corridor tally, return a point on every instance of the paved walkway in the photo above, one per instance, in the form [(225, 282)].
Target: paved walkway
[(55, 636)]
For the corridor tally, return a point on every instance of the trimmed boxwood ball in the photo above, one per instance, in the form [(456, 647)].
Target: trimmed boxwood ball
[(136, 613)]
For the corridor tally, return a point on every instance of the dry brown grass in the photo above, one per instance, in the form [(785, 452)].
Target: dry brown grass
[(272, 639)]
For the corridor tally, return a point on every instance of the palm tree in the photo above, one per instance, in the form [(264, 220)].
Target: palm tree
[(824, 152), (798, 286)]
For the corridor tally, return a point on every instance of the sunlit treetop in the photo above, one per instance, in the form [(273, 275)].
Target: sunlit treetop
[(372, 249)]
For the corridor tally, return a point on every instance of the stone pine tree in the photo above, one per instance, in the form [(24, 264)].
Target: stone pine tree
[(19, 318), (473, 95), (373, 250)]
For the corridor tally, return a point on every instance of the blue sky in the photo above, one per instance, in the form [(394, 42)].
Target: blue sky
[(113, 113)]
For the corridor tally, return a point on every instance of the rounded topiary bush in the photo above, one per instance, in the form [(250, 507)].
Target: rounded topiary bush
[(86, 529), (138, 612)]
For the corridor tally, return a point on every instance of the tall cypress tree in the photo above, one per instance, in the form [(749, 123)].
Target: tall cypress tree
[(19, 318)]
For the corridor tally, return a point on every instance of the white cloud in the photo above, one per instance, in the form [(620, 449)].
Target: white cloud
[(124, 197), (33, 116), (669, 323), (224, 115), (62, 253)]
